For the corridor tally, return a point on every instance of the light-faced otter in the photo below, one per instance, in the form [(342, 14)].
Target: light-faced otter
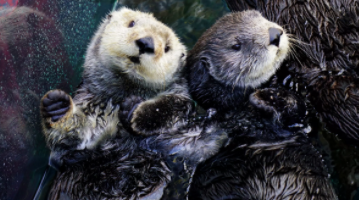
[(269, 155), (130, 54), (327, 63), (132, 58)]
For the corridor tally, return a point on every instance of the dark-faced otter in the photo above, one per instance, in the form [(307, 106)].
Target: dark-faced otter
[(327, 64), (269, 155), (132, 58), (255, 62)]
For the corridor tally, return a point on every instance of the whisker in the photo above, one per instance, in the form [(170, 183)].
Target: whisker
[(299, 47), (249, 71), (293, 39), (285, 26), (239, 76), (236, 81), (293, 53)]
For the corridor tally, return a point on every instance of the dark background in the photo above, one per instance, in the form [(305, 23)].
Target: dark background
[(45, 50)]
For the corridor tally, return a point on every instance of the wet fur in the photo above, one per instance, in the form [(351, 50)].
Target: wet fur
[(97, 153), (266, 158), (281, 181), (95, 107), (263, 161), (326, 55), (223, 76)]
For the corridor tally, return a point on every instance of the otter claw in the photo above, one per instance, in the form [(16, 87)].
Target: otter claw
[(55, 104), (57, 95), (129, 116), (128, 106), (46, 102), (56, 118), (59, 111)]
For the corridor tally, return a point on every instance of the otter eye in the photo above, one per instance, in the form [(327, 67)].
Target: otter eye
[(236, 47), (167, 48), (182, 55), (132, 23)]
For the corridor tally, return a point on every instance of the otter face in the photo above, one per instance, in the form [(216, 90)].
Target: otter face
[(242, 49), (139, 45)]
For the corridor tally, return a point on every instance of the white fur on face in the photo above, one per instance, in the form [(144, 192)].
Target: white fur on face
[(118, 44), (271, 60), (255, 61)]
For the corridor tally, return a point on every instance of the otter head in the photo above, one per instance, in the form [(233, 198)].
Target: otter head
[(239, 52), (140, 46), (242, 49)]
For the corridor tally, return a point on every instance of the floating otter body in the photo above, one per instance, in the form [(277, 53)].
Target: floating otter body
[(269, 155), (327, 65), (101, 148)]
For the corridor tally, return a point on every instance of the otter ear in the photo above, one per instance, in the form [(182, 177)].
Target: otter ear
[(199, 67), (109, 16), (204, 63), (199, 72)]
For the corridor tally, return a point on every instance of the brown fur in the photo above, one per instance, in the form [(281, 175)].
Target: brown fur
[(265, 158)]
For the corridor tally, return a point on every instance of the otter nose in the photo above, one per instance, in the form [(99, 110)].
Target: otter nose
[(274, 36), (146, 45)]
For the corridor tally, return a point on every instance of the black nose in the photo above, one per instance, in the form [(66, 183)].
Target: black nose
[(146, 45), (274, 36)]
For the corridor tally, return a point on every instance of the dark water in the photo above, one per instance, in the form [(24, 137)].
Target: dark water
[(42, 46)]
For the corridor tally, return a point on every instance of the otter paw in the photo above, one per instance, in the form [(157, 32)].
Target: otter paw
[(148, 118), (128, 106), (270, 100), (55, 104), (163, 114), (286, 106)]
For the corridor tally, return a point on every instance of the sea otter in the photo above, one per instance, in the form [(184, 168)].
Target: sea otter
[(269, 155), (131, 54), (101, 148), (326, 60)]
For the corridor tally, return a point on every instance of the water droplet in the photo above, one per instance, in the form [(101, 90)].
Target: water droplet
[(296, 125), (307, 129), (286, 79)]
